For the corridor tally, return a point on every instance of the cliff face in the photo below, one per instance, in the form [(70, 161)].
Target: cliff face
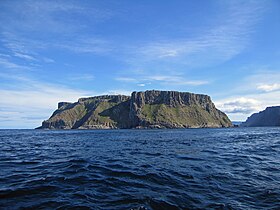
[(173, 109), (149, 109), (91, 113), (269, 117)]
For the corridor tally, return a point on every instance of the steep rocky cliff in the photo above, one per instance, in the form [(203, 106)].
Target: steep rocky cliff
[(91, 113), (269, 117), (149, 109)]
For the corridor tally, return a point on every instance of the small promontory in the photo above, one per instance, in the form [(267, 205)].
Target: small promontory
[(149, 109), (269, 117)]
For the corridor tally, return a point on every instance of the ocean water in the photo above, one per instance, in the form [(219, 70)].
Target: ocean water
[(236, 168)]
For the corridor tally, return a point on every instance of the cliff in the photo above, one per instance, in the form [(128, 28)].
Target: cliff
[(269, 117), (149, 109)]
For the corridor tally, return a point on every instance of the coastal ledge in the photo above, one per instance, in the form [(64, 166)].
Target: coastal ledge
[(148, 109)]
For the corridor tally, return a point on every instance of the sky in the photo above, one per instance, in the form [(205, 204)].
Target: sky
[(53, 51)]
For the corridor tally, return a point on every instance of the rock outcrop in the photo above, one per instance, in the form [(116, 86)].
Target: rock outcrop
[(269, 117), (149, 109)]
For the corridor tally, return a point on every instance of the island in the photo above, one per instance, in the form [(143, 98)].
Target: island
[(268, 117), (148, 109)]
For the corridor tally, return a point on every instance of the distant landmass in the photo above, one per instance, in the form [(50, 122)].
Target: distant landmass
[(269, 117), (149, 109), (236, 123)]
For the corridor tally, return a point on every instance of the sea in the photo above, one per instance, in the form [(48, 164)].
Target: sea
[(226, 168)]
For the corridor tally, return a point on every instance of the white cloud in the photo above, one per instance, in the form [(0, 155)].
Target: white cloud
[(17, 47), (85, 45), (242, 106), (58, 25), (25, 49), (217, 44), (50, 17), (126, 79), (32, 49), (81, 77), (239, 105), (265, 76), (269, 87), (24, 56), (117, 92), (176, 80), (239, 108), (30, 102), (252, 94), (164, 79), (261, 81), (11, 65)]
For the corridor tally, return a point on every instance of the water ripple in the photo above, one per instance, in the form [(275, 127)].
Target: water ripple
[(140, 169)]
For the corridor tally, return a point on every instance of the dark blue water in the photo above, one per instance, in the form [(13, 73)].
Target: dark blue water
[(140, 169)]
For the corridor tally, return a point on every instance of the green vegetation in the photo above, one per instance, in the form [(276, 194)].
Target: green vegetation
[(180, 116), (165, 109), (96, 118), (86, 114)]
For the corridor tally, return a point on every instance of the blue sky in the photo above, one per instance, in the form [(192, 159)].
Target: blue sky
[(53, 51)]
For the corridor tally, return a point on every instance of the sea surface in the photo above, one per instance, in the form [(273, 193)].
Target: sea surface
[(235, 168)]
